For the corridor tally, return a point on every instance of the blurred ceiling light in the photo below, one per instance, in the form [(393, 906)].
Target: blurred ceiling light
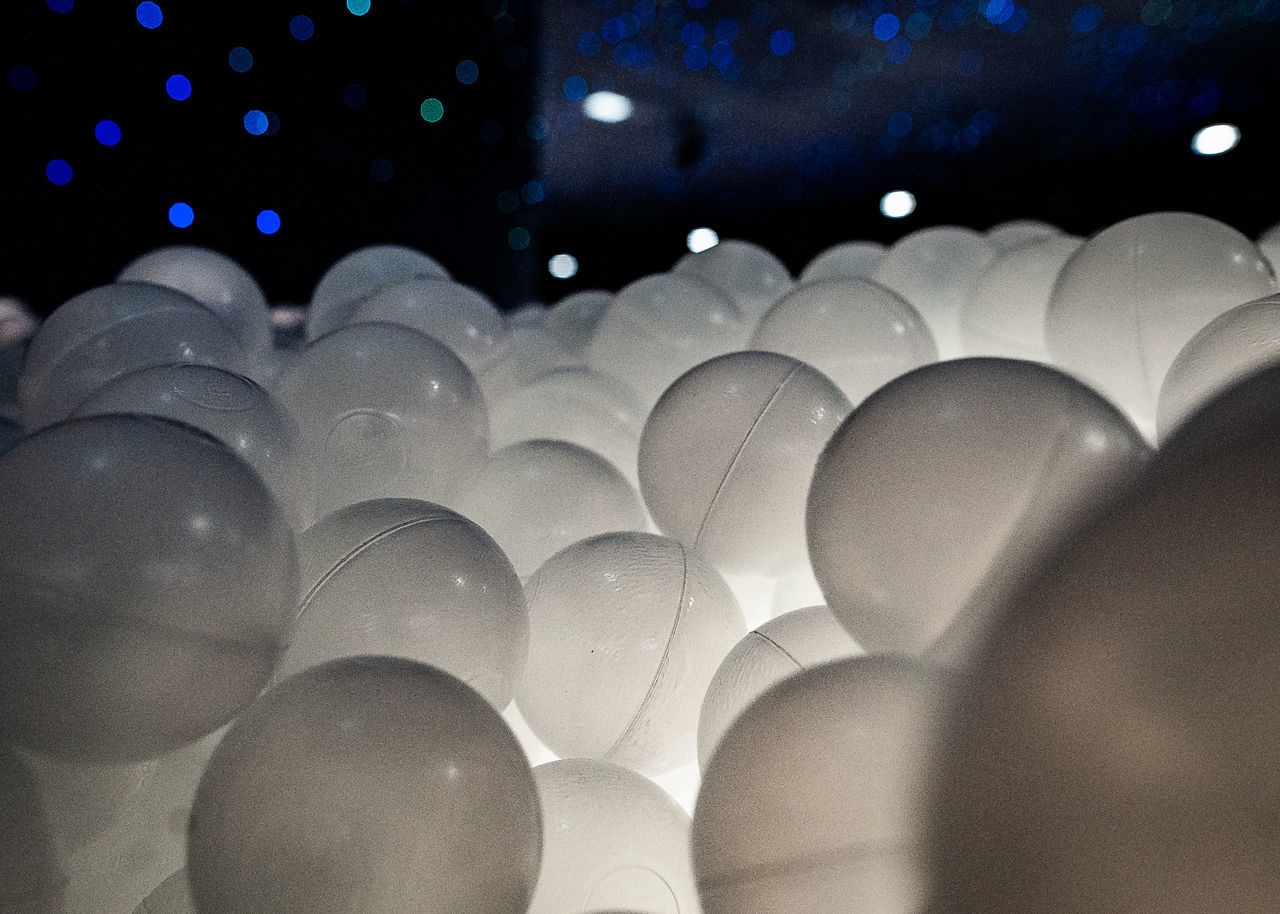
[(898, 203), (609, 107), (700, 239), (1215, 139)]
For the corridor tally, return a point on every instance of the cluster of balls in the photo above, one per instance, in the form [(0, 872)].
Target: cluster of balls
[(939, 578)]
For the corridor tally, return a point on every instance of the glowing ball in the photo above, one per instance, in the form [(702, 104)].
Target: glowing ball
[(148, 575), (173, 896), (847, 260), (410, 579), (231, 408), (1004, 317), (366, 784), (727, 455), (625, 633), (746, 272), (1135, 293), (611, 840), (536, 497), (360, 273), (385, 412), (1016, 232), (815, 800), (784, 646), (935, 270), (940, 489), (31, 877), (856, 332)]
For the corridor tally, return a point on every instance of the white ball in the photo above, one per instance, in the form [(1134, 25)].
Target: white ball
[(847, 260), (749, 274), (1016, 232), (359, 273)]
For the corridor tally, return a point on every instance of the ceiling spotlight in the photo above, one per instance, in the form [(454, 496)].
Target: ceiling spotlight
[(609, 107), (1215, 139), (700, 239), (898, 203), (563, 266)]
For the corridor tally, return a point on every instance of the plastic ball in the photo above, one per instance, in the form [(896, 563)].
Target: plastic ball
[(784, 646), (944, 485), (625, 633), (573, 319), (366, 784), (410, 579), (1016, 232), (1269, 244), (847, 260), (935, 270), (536, 497), (727, 455), (385, 412), (816, 799), (31, 877), (231, 408), (611, 839), (1135, 293), (856, 332), (746, 272), (148, 576), (360, 273), (173, 896)]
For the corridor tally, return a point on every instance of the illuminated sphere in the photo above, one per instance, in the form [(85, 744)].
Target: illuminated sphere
[(31, 877), (385, 412), (611, 840), (173, 896), (659, 327), (1135, 293), (625, 633), (1269, 244), (815, 800), (573, 319), (788, 644), (1004, 317), (935, 270), (856, 332), (148, 575), (727, 455), (748, 273), (366, 784), (110, 331), (847, 260), (944, 485), (1016, 232), (360, 273), (536, 497), (410, 579), (1115, 747), (231, 408), (216, 281), (1232, 346)]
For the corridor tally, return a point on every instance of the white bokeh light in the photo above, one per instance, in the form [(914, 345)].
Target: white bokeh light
[(702, 239), (563, 266), (609, 107), (1215, 139), (897, 204)]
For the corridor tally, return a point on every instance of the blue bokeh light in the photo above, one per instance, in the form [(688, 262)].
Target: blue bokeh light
[(695, 58), (533, 192), (178, 87), (149, 15), (58, 171), (727, 30), (358, 7), (268, 222), (575, 88), (181, 215), (1015, 22), (886, 26), (354, 96), (589, 44), (898, 49), (240, 59), (721, 53), (1087, 18), (255, 122), (22, 77), (107, 132), (61, 6), (698, 4), (467, 72), (998, 11), (899, 124), (692, 34), (302, 28), (781, 42)]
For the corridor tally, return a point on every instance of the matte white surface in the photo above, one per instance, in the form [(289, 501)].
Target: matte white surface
[(748, 273), (359, 273), (847, 260), (1016, 232)]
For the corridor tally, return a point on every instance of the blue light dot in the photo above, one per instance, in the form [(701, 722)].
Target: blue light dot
[(354, 96), (698, 4), (782, 42), (998, 11), (181, 215), (240, 59), (537, 128), (533, 192), (1132, 38), (268, 222), (721, 53), (727, 30), (984, 121), (58, 171), (518, 238), (899, 124), (1014, 23), (107, 133), (692, 34), (886, 26), (178, 87), (467, 71), (613, 30), (589, 44), (382, 169), (63, 6), (149, 16), (1087, 18), (255, 122), (358, 7), (22, 77), (575, 88), (302, 28), (918, 25), (625, 54), (898, 49), (696, 58)]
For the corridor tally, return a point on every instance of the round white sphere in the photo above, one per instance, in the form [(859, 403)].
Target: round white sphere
[(359, 273), (573, 319), (748, 273), (1016, 232), (1269, 244), (847, 260)]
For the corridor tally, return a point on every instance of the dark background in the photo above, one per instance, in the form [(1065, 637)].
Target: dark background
[(985, 110)]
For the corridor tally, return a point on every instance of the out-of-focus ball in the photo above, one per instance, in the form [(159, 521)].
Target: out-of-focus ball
[(856, 332), (1004, 316), (366, 784), (147, 575), (784, 646), (945, 484), (1016, 232), (815, 800), (573, 319), (17, 323), (746, 272), (847, 260), (385, 412), (727, 455), (231, 408), (173, 896), (935, 270), (359, 274), (625, 633), (611, 840), (31, 877), (659, 327), (1135, 293), (410, 579), (536, 497), (1269, 244)]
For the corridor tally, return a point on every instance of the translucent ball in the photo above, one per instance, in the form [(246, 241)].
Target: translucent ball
[(173, 896), (360, 273), (385, 412), (611, 840), (366, 784), (1232, 346), (935, 270), (1135, 293), (847, 260), (410, 579), (573, 319), (946, 484), (1016, 232), (31, 877), (112, 330), (536, 497), (856, 332), (1004, 316), (216, 281), (789, 644), (1269, 244), (147, 578), (746, 272), (231, 408), (727, 455), (815, 800), (625, 633), (659, 327)]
